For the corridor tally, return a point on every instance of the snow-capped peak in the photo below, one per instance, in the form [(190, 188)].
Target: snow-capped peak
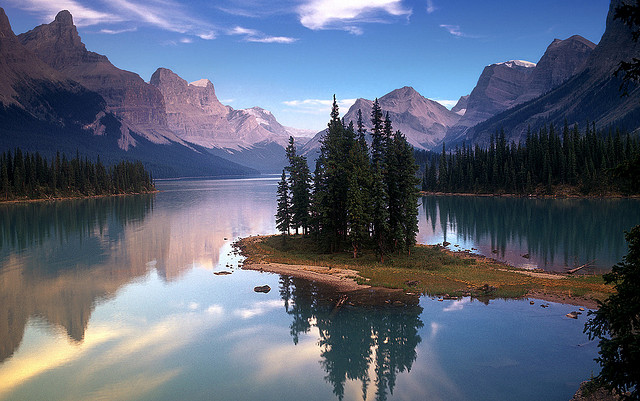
[(518, 63), (203, 83)]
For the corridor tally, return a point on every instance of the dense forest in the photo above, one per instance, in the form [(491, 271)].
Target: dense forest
[(30, 176), (358, 197), (548, 162)]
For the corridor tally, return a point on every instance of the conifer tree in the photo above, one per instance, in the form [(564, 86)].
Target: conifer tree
[(283, 213)]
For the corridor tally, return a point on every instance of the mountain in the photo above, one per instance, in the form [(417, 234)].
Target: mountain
[(461, 106), (561, 60), (139, 105), (44, 109), (498, 88), (251, 137), (504, 85), (424, 122), (591, 95)]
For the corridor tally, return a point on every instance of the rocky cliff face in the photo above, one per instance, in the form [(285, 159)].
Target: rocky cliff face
[(138, 104), (31, 86), (196, 115), (498, 89), (591, 95), (505, 85), (562, 60)]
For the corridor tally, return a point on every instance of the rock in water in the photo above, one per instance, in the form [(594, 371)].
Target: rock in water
[(262, 288)]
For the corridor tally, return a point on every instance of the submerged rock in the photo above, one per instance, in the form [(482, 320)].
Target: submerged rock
[(222, 273), (572, 315)]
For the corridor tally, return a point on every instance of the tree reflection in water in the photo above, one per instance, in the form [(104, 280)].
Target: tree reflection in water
[(556, 233), (353, 340)]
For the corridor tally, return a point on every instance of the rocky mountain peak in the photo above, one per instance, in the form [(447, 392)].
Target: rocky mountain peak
[(5, 26), (404, 92), (164, 76), (57, 43), (64, 17)]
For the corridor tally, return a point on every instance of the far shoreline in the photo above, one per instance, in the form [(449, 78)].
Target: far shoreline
[(529, 196), (66, 198)]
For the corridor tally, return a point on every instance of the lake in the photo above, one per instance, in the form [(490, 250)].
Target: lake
[(115, 299)]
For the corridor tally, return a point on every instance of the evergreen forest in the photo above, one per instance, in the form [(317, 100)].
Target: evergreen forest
[(359, 197), (594, 162), (30, 176)]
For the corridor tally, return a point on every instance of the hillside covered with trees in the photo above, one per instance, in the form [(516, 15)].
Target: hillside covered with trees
[(30, 176)]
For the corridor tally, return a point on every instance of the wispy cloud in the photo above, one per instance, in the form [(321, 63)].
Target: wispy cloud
[(82, 15), (430, 7), (318, 106), (167, 15), (456, 31), (446, 103), (349, 15), (252, 35), (452, 29), (117, 31)]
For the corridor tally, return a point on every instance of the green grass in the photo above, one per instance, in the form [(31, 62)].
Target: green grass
[(437, 271)]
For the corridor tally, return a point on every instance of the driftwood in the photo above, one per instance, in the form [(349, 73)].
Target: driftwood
[(571, 271)]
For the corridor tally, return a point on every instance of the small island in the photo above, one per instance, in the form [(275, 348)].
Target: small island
[(428, 270)]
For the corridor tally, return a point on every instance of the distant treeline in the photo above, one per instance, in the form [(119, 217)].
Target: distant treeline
[(593, 163), (30, 176)]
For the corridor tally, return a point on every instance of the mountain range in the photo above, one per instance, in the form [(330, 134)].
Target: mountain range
[(573, 81), (57, 95)]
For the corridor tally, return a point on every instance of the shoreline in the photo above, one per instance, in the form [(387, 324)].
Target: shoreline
[(349, 281), (343, 282), (530, 196), (65, 198)]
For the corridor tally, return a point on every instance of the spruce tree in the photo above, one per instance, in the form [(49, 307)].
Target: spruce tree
[(283, 213)]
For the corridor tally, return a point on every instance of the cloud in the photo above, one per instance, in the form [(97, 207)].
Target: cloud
[(117, 31), (446, 103), (252, 35), (258, 308), (430, 7), (167, 15), (452, 29), (318, 106), (348, 15), (457, 32), (82, 15), (456, 305)]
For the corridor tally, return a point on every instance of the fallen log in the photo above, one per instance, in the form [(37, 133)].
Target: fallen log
[(571, 271)]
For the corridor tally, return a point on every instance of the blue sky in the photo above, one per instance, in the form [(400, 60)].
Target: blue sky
[(291, 56)]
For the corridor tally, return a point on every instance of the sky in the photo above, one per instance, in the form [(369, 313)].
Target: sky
[(291, 56)]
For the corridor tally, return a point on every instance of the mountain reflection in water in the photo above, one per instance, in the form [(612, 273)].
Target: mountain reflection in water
[(68, 267)]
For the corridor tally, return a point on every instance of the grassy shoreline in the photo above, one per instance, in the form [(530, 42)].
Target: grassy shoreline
[(430, 270)]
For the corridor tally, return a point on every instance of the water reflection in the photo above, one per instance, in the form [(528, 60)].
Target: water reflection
[(58, 261), (553, 234), (359, 344), (66, 269)]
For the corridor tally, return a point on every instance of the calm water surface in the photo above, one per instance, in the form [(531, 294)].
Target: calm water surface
[(116, 299)]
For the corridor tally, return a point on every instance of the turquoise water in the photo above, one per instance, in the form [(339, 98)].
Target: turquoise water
[(116, 299), (555, 234)]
